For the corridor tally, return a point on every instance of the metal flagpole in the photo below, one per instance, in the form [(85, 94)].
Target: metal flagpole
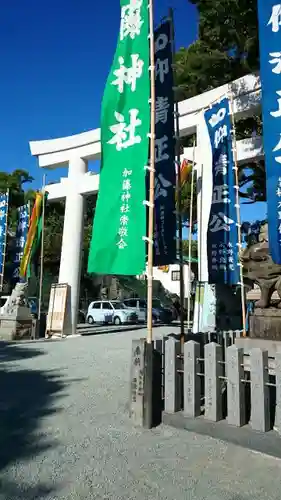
[(151, 177), (178, 190), (42, 251), (5, 243), (234, 147), (190, 232)]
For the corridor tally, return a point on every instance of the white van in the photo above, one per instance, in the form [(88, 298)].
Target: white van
[(110, 311)]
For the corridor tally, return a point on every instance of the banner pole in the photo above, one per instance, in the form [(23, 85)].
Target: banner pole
[(4, 243), (178, 190), (234, 147), (42, 250), (190, 232), (151, 176)]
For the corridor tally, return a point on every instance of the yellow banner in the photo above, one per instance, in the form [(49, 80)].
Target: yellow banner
[(36, 212)]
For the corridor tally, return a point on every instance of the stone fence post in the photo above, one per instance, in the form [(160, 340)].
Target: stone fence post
[(213, 383), (172, 377)]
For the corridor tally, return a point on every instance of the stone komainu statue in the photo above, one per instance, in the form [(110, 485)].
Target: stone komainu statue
[(17, 298), (259, 268)]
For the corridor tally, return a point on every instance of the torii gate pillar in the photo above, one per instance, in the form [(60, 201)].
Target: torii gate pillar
[(52, 154)]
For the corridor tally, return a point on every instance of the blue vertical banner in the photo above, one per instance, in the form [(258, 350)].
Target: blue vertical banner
[(222, 236), (269, 13), (21, 236), (4, 202), (165, 174)]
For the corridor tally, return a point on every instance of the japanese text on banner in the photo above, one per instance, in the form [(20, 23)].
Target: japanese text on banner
[(21, 235), (269, 13), (117, 245), (3, 229), (222, 237), (165, 175)]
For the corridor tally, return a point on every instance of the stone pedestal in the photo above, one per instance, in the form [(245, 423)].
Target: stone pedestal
[(265, 324), (16, 326)]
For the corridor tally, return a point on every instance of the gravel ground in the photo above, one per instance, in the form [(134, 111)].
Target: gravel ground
[(65, 433)]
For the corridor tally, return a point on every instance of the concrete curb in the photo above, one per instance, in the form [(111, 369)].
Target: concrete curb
[(268, 443)]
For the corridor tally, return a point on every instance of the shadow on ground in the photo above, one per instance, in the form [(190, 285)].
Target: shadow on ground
[(26, 396)]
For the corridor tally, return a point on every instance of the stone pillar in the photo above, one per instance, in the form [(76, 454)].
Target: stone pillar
[(260, 411), (192, 382), (72, 241), (213, 384), (236, 404), (172, 378)]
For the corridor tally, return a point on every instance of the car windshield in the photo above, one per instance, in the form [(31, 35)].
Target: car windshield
[(118, 305)]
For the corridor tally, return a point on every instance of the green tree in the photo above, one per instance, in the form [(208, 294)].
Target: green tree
[(227, 48)]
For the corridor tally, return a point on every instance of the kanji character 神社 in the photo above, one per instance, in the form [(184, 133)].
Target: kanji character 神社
[(130, 75), (123, 134)]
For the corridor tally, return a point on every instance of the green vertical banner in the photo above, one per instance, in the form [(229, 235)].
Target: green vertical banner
[(117, 245)]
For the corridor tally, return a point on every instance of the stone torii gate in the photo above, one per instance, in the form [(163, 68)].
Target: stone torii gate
[(75, 151)]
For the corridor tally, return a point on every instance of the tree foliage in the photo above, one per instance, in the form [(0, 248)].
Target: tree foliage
[(227, 48)]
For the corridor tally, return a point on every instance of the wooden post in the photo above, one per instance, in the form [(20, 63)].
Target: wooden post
[(151, 177), (42, 250)]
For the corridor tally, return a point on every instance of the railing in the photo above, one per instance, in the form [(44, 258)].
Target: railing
[(219, 381)]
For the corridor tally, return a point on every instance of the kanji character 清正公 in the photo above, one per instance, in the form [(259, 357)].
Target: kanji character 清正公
[(220, 134), (161, 186), (277, 114), (21, 241), (221, 165), (162, 69), (277, 61), (220, 194), (16, 273), (277, 148), (123, 134), (130, 75), (161, 110), (131, 21), (275, 18), (220, 222), (160, 147), (2, 214)]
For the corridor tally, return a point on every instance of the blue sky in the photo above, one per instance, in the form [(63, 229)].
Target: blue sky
[(55, 57)]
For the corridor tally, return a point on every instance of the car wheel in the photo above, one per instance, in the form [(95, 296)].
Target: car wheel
[(117, 321), (90, 320)]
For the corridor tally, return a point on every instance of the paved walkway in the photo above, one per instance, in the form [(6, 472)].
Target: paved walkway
[(65, 434)]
